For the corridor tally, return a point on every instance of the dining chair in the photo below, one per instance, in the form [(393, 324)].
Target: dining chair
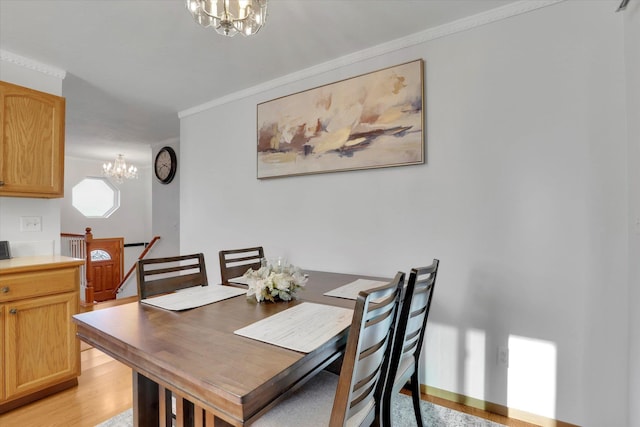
[(236, 262), (353, 397), (162, 275), (408, 339)]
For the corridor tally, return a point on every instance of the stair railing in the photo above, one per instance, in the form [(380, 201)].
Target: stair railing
[(75, 245), (133, 267)]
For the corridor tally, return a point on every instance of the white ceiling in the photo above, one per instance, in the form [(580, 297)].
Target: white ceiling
[(132, 65)]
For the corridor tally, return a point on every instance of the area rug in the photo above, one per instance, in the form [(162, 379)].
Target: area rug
[(432, 415)]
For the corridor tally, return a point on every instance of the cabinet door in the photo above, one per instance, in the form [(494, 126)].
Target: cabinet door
[(31, 142), (2, 321), (40, 343)]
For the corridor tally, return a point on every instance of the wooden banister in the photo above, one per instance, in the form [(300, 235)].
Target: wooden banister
[(133, 267), (80, 236), (88, 291), (88, 236), (75, 245)]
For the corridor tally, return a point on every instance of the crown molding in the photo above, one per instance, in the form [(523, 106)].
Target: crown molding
[(32, 65), (444, 30)]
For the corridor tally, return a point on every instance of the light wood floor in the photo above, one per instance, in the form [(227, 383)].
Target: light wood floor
[(104, 390), (510, 422)]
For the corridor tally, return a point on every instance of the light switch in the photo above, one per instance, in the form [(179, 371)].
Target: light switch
[(30, 223)]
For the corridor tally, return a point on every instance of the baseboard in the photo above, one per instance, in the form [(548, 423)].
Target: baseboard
[(493, 407), (13, 404)]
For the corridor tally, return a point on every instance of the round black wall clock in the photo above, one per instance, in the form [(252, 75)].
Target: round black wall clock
[(166, 165)]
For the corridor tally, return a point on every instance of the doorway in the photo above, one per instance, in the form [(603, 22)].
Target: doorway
[(105, 265)]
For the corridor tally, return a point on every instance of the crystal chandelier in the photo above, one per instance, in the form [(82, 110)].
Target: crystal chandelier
[(119, 171), (229, 17)]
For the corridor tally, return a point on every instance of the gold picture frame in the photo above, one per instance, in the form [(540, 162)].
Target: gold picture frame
[(373, 120)]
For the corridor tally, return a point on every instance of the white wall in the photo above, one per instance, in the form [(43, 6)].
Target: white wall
[(47, 241), (131, 221), (632, 49), (523, 199)]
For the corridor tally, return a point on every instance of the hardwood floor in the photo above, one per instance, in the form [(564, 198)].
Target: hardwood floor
[(510, 422), (104, 390)]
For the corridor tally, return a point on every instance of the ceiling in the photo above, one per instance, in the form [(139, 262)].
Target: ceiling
[(132, 65)]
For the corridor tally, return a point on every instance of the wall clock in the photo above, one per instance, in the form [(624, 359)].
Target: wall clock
[(166, 165)]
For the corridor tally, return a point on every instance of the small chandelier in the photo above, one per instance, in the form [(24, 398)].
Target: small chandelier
[(229, 17), (119, 171)]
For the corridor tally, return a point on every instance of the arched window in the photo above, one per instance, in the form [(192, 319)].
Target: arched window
[(100, 255)]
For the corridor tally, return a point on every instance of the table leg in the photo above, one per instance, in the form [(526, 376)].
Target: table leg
[(202, 417), (147, 407), (145, 401)]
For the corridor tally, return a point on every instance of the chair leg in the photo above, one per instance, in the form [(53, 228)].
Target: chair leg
[(415, 397), (386, 407)]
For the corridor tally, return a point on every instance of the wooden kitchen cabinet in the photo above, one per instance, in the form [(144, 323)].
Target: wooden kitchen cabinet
[(2, 316), (38, 346), (31, 142)]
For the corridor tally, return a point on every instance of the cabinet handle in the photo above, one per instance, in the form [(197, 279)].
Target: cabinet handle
[(5, 290), (13, 311), (1, 183)]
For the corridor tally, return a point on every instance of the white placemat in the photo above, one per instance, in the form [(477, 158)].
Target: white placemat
[(303, 327), (196, 296), (351, 290)]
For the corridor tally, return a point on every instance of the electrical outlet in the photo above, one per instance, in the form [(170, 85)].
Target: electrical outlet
[(503, 356), (30, 223)]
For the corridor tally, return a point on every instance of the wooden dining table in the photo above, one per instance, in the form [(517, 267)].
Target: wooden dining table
[(219, 378)]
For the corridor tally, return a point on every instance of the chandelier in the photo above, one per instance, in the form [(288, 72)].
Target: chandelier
[(229, 17), (118, 170)]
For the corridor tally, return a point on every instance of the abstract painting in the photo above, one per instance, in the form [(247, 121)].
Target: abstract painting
[(373, 120)]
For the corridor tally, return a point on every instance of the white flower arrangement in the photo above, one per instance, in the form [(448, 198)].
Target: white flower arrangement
[(272, 284)]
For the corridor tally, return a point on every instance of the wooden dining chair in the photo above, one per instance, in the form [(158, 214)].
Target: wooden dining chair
[(408, 339), (353, 397), (236, 262), (162, 275)]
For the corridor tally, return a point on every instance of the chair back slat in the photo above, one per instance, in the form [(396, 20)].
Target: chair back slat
[(366, 354), (167, 270), (163, 275), (236, 262)]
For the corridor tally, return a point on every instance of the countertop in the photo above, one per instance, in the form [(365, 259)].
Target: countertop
[(34, 263)]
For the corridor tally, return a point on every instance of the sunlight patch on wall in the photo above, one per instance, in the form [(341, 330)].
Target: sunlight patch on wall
[(531, 383)]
